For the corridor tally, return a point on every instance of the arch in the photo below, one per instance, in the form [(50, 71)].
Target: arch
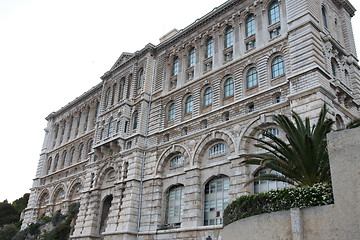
[(72, 156), (210, 139), (216, 190), (188, 104), (56, 190), (44, 197), (339, 122), (103, 171), (228, 87), (89, 145), (250, 130), (72, 187), (277, 67), (81, 148), (105, 209), (168, 154), (252, 79)]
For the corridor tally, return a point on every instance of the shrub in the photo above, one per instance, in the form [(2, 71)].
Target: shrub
[(278, 200)]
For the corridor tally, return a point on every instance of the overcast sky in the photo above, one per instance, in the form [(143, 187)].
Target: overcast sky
[(51, 51)]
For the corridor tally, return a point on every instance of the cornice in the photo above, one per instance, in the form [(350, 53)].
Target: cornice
[(75, 101)]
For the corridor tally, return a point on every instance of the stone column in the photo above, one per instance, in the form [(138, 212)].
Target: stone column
[(192, 215)]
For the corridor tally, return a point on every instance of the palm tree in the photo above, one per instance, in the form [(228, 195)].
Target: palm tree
[(304, 160)]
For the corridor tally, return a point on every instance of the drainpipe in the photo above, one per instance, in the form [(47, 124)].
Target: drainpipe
[(145, 147)]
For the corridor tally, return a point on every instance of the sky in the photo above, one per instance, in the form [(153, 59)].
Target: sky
[(51, 51)]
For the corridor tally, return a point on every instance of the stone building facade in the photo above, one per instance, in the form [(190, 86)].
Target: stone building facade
[(154, 150)]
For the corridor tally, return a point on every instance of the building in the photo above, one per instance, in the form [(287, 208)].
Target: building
[(153, 151)]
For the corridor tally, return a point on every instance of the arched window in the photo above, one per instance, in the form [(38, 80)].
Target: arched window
[(217, 149), (207, 96), (111, 175), (324, 16), (135, 120), (90, 145), (110, 127), (118, 126), (121, 89), (175, 205), (334, 67), (216, 200), (228, 37), (277, 67), (141, 78), (56, 162), (229, 87), (101, 134), (191, 61), (175, 66), (250, 25), (209, 47), (188, 105), (105, 212), (107, 97), (177, 161), (267, 185), (72, 154), (81, 151), (44, 200), (274, 13), (63, 159), (112, 95), (49, 165), (171, 112), (60, 195), (251, 78)]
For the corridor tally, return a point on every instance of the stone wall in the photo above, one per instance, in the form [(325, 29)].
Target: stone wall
[(337, 221)]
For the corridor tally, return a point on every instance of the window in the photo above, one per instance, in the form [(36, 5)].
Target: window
[(250, 107), (207, 96), (49, 165), (273, 131), (274, 13), (90, 146), (56, 161), (111, 175), (101, 134), (216, 200), (175, 66), (175, 205), (118, 126), (171, 112), (229, 37), (204, 124), (135, 121), (324, 16), (217, 149), (209, 48), (333, 68), (107, 97), (63, 159), (81, 151), (110, 127), (251, 78), (250, 25), (141, 78), (177, 161), (267, 185), (229, 88), (191, 62), (113, 94), (277, 67), (72, 154), (188, 104)]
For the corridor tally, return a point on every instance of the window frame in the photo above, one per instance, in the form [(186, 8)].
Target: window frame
[(188, 105), (207, 97), (250, 25), (277, 68), (274, 12), (252, 78), (171, 112), (229, 88)]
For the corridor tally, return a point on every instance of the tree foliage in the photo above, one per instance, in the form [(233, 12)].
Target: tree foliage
[(301, 161)]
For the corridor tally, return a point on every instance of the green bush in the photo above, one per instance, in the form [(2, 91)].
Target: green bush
[(278, 200)]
